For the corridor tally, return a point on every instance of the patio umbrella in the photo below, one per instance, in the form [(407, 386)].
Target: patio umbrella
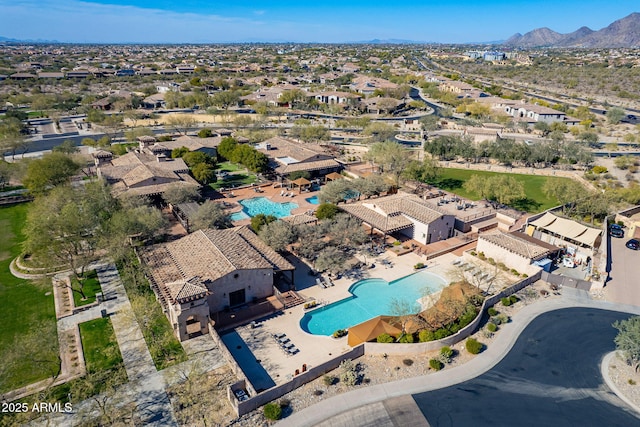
[(371, 329)]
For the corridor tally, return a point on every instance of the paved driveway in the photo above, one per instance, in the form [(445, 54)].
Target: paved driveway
[(624, 284), (551, 377)]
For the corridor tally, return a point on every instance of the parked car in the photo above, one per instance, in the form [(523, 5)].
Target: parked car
[(633, 244), (616, 231)]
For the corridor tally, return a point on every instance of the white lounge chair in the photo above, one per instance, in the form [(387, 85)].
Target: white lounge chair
[(456, 261)]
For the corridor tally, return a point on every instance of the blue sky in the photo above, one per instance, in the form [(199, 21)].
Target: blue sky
[(196, 21)]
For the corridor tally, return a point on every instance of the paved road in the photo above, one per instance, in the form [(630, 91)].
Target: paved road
[(624, 285), (550, 377)]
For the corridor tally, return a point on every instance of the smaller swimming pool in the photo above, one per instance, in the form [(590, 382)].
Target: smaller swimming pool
[(239, 216), (313, 200), (262, 205)]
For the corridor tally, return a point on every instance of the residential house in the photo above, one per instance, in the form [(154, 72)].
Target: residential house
[(287, 156), (340, 98), (209, 271), (147, 171), (406, 214), (516, 250)]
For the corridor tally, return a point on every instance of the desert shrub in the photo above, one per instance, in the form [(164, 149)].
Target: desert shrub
[(513, 299), (506, 301), (599, 169), (348, 378), (492, 311), (446, 353), (406, 338), (474, 253), (500, 319), (339, 333), (426, 335), (442, 333), (515, 272), (407, 362), (418, 266), (397, 243), (473, 346), (435, 364), (481, 255), (318, 393), (525, 275), (385, 338), (272, 411), (328, 380), (631, 382), (491, 261), (492, 327)]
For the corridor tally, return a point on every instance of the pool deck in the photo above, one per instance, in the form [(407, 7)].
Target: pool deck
[(316, 349), (273, 193)]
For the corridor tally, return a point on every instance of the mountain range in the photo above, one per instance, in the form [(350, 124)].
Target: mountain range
[(624, 32)]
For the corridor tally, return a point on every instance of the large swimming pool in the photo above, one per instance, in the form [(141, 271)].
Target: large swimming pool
[(262, 205), (371, 298)]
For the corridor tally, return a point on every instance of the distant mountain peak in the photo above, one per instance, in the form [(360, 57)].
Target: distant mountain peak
[(624, 32)]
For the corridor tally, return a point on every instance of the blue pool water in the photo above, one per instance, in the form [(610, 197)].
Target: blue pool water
[(313, 200), (371, 298), (262, 205), (239, 216)]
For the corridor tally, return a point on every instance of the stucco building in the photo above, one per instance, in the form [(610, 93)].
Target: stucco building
[(210, 271), (406, 214)]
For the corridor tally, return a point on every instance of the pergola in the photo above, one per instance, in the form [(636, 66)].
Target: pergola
[(301, 182), (333, 176)]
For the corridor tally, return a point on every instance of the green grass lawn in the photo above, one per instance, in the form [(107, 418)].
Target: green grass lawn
[(101, 351), (23, 304), (163, 345), (91, 288), (536, 201), (228, 167), (235, 180)]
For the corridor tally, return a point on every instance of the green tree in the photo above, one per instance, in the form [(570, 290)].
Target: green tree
[(258, 221), (615, 115), (205, 133), (628, 340), (326, 211), (193, 158), (379, 132), (278, 235), (204, 173), (179, 152), (226, 147), (210, 215), (181, 123), (177, 193), (331, 259), (67, 147), (65, 226), (52, 169), (391, 157)]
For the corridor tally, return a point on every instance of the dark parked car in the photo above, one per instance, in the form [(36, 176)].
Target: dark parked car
[(633, 244), (616, 232)]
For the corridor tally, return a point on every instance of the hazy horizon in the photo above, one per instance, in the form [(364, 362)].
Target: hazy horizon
[(194, 21)]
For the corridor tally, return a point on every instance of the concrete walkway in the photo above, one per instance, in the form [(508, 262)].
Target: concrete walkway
[(338, 410), (153, 403)]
